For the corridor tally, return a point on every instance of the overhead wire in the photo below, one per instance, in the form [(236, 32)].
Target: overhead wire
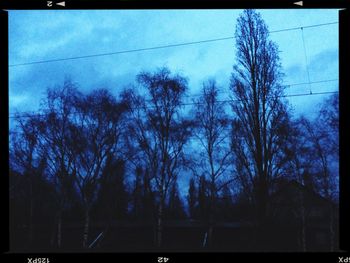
[(157, 47), (28, 115), (306, 60), (193, 43)]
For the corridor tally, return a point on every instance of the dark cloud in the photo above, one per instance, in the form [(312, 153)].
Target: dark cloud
[(325, 64)]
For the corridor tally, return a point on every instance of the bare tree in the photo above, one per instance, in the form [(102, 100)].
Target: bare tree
[(328, 119), (312, 150), (160, 132), (27, 159), (261, 115), (56, 140), (328, 122), (212, 134), (298, 152), (326, 178), (97, 130)]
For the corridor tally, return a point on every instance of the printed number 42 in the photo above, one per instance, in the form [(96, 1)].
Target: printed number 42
[(162, 259)]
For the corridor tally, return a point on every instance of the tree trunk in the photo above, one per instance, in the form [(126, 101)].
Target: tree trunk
[(211, 212), (303, 222), (331, 229), (86, 228), (261, 202), (30, 232), (210, 236), (56, 231), (59, 230), (262, 196), (160, 224), (53, 234), (30, 238)]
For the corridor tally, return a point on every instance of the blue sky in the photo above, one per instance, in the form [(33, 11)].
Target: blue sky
[(45, 35)]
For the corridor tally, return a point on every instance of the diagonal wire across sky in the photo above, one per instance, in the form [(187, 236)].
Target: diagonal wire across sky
[(27, 114), (158, 47)]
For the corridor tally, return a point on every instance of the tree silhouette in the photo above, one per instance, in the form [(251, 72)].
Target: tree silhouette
[(211, 131), (192, 199), (203, 198), (174, 207), (97, 129), (88, 158), (299, 154), (261, 115), (323, 137), (28, 163), (112, 197), (160, 131), (56, 140), (143, 200)]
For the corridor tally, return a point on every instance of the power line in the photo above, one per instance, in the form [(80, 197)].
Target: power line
[(122, 52), (312, 82), (157, 47), (305, 56), (297, 28), (310, 94), (27, 115), (286, 86), (284, 96), (226, 101)]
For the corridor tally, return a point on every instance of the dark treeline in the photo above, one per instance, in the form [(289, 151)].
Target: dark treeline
[(96, 159)]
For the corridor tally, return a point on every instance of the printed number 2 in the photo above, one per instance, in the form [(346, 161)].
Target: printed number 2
[(49, 3)]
